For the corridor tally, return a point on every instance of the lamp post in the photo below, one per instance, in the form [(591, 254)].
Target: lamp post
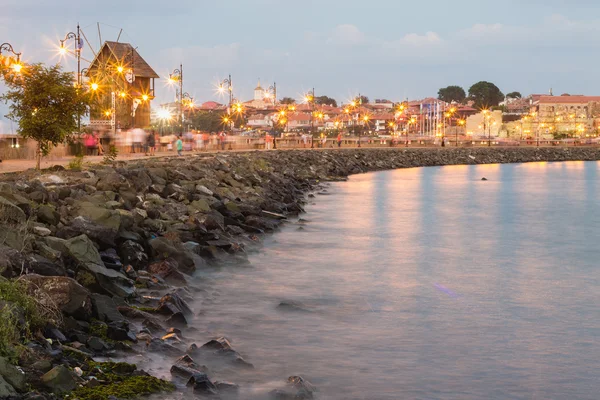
[(461, 123), (186, 101), (177, 77), (310, 99), (78, 44), (15, 66)]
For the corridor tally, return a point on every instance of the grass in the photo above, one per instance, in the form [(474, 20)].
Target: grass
[(76, 163), (17, 305)]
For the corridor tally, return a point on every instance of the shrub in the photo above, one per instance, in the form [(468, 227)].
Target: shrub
[(76, 163), (111, 155)]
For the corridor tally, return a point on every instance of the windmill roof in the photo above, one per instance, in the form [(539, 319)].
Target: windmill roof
[(123, 52)]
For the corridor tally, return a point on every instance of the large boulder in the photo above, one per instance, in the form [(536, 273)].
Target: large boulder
[(9, 212), (100, 215), (6, 390), (133, 254), (91, 270), (167, 270), (105, 309), (62, 292), (103, 235), (187, 261), (42, 266), (12, 375), (59, 380), (48, 215)]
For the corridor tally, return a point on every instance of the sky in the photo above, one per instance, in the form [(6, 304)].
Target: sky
[(390, 49)]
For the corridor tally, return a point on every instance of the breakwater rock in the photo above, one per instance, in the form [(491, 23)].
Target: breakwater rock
[(98, 262)]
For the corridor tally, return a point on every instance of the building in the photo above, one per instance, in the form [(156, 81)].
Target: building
[(262, 99), (124, 83)]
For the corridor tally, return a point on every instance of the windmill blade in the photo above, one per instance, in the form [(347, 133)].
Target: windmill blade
[(88, 42)]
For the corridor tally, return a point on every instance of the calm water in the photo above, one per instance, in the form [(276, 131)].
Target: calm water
[(425, 284)]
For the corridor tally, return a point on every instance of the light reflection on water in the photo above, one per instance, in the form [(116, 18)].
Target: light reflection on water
[(425, 284)]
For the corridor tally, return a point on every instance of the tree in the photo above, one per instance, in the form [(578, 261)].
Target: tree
[(452, 93), (325, 100), (287, 100), (45, 104), (485, 95), (361, 100), (514, 95), (208, 121)]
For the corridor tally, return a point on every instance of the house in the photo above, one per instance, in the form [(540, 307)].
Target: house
[(259, 121), (300, 120), (124, 84)]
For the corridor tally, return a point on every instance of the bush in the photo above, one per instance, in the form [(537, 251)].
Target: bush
[(111, 155), (76, 163)]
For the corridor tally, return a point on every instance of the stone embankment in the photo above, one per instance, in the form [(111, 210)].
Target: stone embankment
[(97, 262)]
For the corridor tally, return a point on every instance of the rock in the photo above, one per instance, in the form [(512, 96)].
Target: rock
[(59, 380), (273, 215), (42, 266), (203, 190), (227, 387), (484, 179), (120, 331), (9, 212), (48, 215), (92, 271), (6, 390), (55, 334), (80, 225), (171, 304), (202, 385), (97, 345), (167, 270), (220, 343), (42, 366), (12, 375), (133, 254), (162, 248), (158, 346), (62, 292), (100, 215), (267, 224), (199, 206), (111, 259), (177, 319), (185, 367), (41, 231), (105, 309)]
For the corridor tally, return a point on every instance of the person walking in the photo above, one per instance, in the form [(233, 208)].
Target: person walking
[(151, 143), (339, 139), (222, 139), (179, 146), (268, 141)]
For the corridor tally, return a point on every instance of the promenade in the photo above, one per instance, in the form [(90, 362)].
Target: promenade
[(16, 165)]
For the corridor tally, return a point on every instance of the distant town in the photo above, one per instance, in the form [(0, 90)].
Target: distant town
[(117, 90)]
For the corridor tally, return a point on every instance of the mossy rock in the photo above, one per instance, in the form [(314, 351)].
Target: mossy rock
[(132, 387)]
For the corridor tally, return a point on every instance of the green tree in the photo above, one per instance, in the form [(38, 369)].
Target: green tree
[(361, 100), (325, 100), (514, 95), (45, 104), (452, 93), (208, 121), (287, 100), (485, 95)]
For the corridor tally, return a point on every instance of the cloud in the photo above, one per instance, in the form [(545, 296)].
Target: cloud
[(414, 39), (348, 35)]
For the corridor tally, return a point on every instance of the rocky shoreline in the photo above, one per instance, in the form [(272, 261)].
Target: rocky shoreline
[(96, 264)]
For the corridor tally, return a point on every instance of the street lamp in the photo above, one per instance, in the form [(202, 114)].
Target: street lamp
[(310, 99), (461, 123), (78, 46), (16, 65), (271, 91), (176, 77)]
